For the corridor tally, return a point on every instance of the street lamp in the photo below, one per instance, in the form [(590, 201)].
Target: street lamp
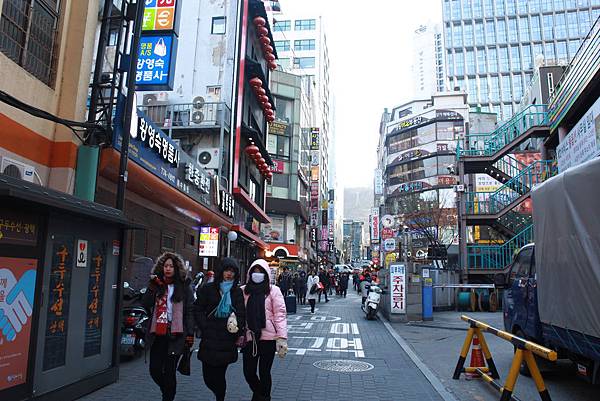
[(231, 237)]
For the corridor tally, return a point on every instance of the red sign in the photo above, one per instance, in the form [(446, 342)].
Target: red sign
[(375, 261), (387, 233), (277, 167)]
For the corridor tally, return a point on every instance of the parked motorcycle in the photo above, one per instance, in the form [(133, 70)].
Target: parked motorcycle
[(371, 306), (133, 326)]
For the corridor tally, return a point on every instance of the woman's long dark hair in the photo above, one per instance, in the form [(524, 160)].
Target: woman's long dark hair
[(178, 276), (251, 286)]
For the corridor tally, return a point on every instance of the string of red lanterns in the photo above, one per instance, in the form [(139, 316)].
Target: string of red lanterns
[(254, 154), (263, 36)]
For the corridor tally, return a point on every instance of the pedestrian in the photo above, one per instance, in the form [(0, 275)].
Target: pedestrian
[(267, 326), (324, 279), (344, 278), (312, 285), (364, 287), (213, 310), (301, 291), (169, 300), (284, 282), (355, 281)]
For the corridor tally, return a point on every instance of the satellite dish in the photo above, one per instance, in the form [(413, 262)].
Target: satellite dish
[(204, 157), (197, 117), (198, 102)]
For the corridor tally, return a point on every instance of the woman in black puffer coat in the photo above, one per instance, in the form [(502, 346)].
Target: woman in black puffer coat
[(218, 345)]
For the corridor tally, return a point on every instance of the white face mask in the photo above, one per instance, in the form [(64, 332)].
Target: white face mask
[(258, 277)]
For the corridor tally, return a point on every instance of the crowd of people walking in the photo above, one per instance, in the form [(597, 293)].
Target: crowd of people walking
[(228, 317)]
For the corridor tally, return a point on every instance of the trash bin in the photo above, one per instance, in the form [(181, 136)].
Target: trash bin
[(427, 299)]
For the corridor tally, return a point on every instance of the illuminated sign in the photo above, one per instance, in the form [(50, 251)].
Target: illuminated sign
[(159, 15), (314, 139), (209, 241), (156, 62)]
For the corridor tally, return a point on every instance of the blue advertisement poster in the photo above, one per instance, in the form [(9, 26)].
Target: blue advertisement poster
[(156, 62)]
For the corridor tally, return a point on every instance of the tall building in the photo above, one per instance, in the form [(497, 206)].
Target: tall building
[(428, 61), (491, 45)]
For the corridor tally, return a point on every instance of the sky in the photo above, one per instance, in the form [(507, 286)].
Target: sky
[(370, 48)]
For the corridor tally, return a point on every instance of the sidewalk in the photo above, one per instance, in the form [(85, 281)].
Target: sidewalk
[(337, 331)]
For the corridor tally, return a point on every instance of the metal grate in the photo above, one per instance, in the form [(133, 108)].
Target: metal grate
[(344, 366), (28, 32)]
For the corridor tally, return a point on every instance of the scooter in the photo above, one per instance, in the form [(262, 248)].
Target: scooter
[(133, 327), (371, 305)]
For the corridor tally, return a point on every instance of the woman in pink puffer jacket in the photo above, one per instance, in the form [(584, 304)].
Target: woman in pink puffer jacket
[(266, 329)]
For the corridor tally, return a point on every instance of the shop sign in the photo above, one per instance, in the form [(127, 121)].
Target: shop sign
[(208, 244), (156, 62), (390, 258), (93, 329), (398, 288), (277, 128), (447, 115), (57, 319), (378, 181), (374, 224), (389, 245), (331, 245), (17, 229), (446, 180), (314, 158), (314, 174), (323, 242), (408, 187), (156, 140), (159, 15), (274, 232), (277, 167), (411, 122), (226, 203), (17, 285), (387, 221), (582, 143), (387, 233), (313, 236), (197, 176), (314, 138), (82, 253), (314, 217)]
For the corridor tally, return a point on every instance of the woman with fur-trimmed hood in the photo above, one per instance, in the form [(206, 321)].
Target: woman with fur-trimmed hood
[(169, 301)]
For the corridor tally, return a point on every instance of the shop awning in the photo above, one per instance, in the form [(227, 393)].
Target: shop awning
[(251, 236)]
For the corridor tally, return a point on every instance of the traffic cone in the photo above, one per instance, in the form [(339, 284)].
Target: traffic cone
[(477, 360)]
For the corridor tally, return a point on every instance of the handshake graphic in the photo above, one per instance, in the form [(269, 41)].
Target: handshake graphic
[(16, 302)]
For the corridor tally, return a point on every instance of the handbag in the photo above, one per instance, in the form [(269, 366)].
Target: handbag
[(232, 325), (185, 362), (314, 288)]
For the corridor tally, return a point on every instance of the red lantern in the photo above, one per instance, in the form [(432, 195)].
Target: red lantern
[(260, 161), (257, 156), (256, 82), (264, 40), (263, 98), (259, 21), (270, 175), (270, 118), (260, 91), (262, 31), (269, 57), (267, 49), (272, 65), (267, 106), (251, 150)]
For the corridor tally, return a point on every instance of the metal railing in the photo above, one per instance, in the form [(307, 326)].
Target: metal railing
[(515, 221), (189, 115), (498, 256), (509, 166), (489, 144)]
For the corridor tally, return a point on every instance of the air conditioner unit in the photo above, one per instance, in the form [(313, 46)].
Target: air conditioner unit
[(17, 169), (208, 157), (155, 99)]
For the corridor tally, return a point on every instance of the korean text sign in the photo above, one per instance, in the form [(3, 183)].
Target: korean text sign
[(159, 15), (209, 241), (156, 62), (398, 288), (17, 293)]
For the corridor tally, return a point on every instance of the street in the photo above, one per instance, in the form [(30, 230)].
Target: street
[(337, 331)]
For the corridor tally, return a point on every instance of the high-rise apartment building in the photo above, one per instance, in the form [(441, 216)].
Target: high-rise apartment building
[(428, 61), (492, 45)]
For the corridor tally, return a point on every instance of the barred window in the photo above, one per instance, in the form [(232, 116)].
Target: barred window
[(28, 36)]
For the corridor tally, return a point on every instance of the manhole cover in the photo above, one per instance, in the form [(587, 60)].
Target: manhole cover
[(341, 365)]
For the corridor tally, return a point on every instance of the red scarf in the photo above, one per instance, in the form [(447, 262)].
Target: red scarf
[(160, 309)]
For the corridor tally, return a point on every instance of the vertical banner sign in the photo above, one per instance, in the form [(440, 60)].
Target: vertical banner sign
[(55, 342), (375, 224), (378, 182), (93, 328), (156, 62), (314, 138), (17, 294), (209, 241), (398, 285), (82, 253)]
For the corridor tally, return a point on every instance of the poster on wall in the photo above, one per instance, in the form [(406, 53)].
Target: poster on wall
[(93, 327), (208, 245), (582, 143), (57, 319), (273, 232), (398, 284), (17, 294)]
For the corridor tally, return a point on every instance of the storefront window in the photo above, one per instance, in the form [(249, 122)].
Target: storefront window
[(449, 130)]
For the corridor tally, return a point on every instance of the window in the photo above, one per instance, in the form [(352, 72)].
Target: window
[(477, 10), (535, 28), (472, 91), (573, 27), (534, 6), (284, 62), (515, 58), (561, 50), (495, 90), (470, 62), (584, 23), (548, 24), (138, 243), (573, 47), (281, 180), (503, 58), (28, 36), (520, 268), (304, 44), (284, 111), (304, 62), (479, 35), (549, 51), (282, 45), (489, 8), (190, 239), (518, 87), (450, 65), (512, 30), (282, 26), (546, 5), (466, 8), (561, 26), (279, 146), (490, 31), (527, 60), (481, 65), (500, 7), (501, 31), (524, 29), (511, 7), (455, 10), (168, 242), (305, 25), (483, 90), (493, 60), (218, 26), (521, 6), (506, 88), (457, 36), (459, 63), (468, 35)]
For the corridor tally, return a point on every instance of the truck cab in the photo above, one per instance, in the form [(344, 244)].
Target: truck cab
[(521, 316)]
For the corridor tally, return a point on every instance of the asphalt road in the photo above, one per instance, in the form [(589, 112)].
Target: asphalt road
[(439, 348)]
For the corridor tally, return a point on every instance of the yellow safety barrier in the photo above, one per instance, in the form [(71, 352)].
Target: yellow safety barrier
[(524, 352)]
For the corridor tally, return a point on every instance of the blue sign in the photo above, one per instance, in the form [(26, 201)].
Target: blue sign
[(156, 62)]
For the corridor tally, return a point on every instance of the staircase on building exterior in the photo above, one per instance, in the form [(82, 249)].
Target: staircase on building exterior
[(503, 209)]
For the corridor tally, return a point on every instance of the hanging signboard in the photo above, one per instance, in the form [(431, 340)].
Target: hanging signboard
[(314, 138), (374, 224), (378, 181), (156, 62), (160, 15), (389, 245), (398, 286), (209, 241), (582, 143)]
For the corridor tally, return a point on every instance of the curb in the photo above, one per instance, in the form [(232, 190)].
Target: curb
[(429, 375)]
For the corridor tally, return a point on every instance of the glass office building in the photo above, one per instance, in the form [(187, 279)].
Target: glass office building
[(492, 45)]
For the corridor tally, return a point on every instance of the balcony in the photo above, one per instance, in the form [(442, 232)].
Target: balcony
[(189, 116)]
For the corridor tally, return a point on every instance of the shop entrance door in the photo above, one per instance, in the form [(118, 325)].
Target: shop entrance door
[(76, 322)]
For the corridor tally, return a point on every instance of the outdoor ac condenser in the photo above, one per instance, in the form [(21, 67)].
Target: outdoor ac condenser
[(17, 169)]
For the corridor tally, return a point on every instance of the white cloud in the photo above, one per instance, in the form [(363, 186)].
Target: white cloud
[(370, 46)]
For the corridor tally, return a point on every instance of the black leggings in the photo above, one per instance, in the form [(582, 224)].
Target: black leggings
[(214, 378), (312, 305), (163, 368), (300, 297), (264, 361)]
